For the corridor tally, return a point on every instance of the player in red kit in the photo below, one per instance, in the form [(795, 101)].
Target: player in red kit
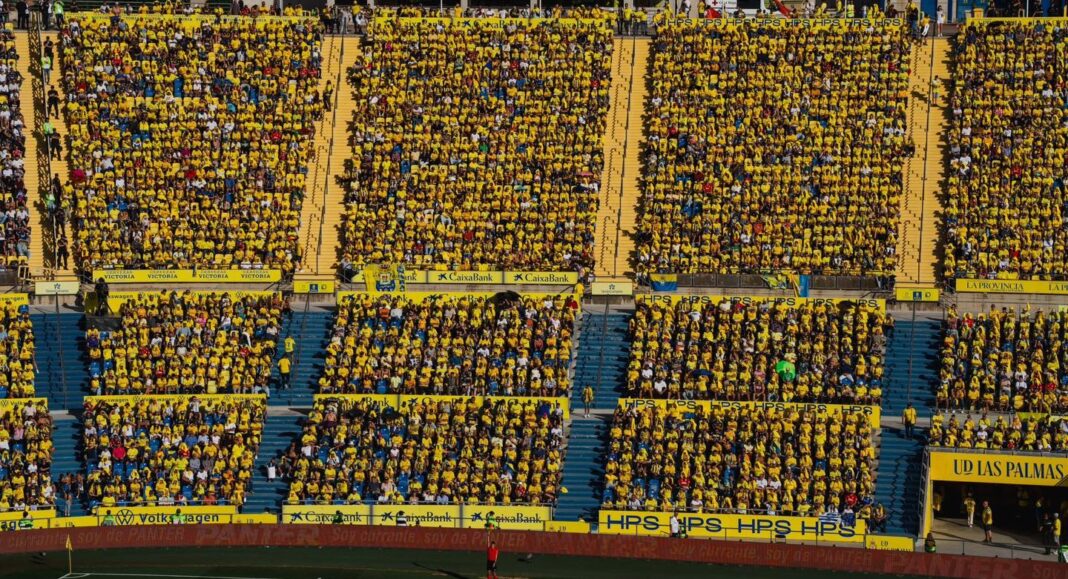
[(491, 560)]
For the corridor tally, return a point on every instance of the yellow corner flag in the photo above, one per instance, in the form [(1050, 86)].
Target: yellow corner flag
[(70, 562), (69, 546)]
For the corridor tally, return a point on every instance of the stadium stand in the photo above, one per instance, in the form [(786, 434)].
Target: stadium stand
[(1006, 189), (1042, 433), (149, 198), (1003, 360), (469, 345), (739, 459), (25, 455), (803, 351), (171, 449), (430, 450), (15, 216), (477, 143), (804, 175), (187, 343), (18, 364)]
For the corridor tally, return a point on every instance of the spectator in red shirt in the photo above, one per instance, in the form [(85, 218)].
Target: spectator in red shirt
[(491, 560)]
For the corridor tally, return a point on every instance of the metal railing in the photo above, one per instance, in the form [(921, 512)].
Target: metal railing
[(921, 504), (931, 91), (950, 546), (295, 362)]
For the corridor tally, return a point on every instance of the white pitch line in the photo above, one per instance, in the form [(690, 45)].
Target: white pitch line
[(81, 575)]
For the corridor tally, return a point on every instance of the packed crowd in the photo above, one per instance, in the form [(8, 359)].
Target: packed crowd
[(1004, 360), (166, 451), (809, 351), (1042, 433), (149, 196), (1007, 203), (187, 343), (478, 143), (14, 217), (484, 451), (25, 456), (773, 149), (18, 365), (451, 345), (741, 460)]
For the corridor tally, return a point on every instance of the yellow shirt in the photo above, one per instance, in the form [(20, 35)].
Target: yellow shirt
[(909, 416)]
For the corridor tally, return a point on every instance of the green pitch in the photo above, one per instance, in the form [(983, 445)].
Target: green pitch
[(313, 563)]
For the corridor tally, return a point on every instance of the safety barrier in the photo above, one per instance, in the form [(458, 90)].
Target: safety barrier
[(569, 544)]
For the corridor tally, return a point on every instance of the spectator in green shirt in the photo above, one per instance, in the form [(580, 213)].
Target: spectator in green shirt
[(46, 70)]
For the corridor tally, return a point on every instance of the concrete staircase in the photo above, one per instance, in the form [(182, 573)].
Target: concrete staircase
[(603, 354), (312, 331), (583, 468), (924, 172), (62, 369), (899, 481), (602, 358), (34, 153), (42, 250), (911, 373), (616, 214), (279, 431), (67, 438), (324, 198), (914, 343)]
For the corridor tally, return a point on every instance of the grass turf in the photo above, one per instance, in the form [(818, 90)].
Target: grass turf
[(331, 563)]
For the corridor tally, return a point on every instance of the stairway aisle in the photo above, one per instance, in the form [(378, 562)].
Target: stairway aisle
[(900, 471), (603, 354), (312, 332), (899, 481), (31, 180), (583, 468), (616, 215), (66, 459), (62, 371), (924, 172), (602, 358), (917, 342), (325, 200), (59, 166), (280, 430)]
